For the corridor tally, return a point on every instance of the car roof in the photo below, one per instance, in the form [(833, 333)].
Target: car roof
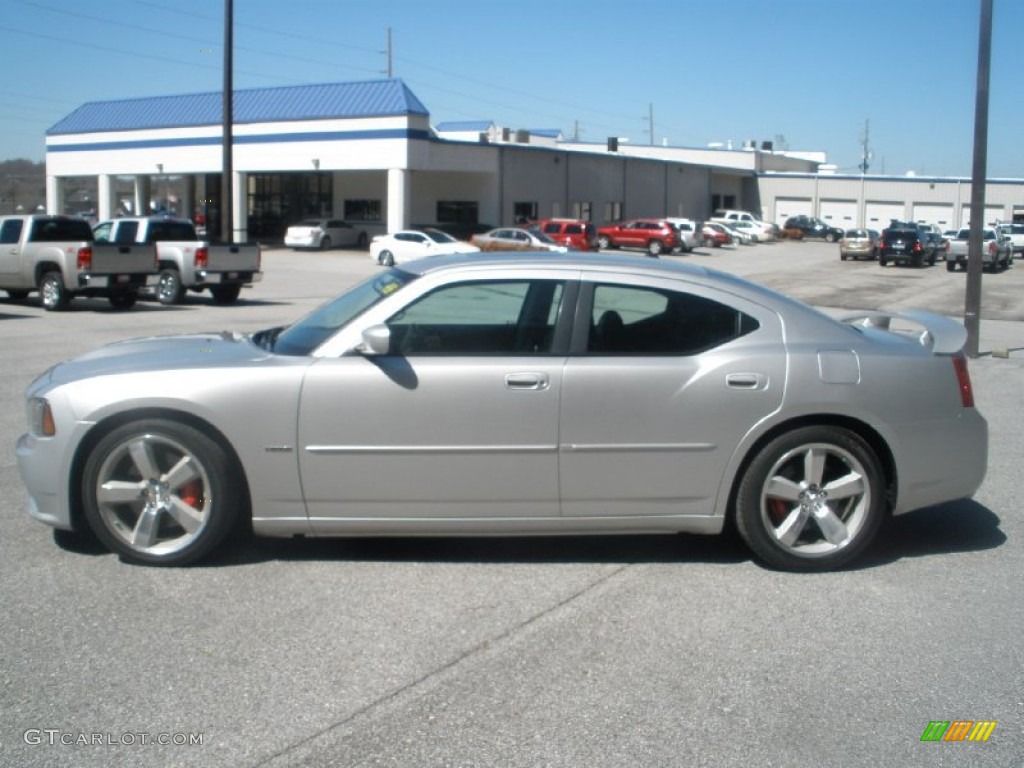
[(575, 261)]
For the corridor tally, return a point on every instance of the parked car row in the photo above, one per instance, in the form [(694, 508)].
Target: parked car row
[(915, 244), (62, 257)]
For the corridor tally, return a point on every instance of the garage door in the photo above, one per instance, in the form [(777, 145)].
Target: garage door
[(878, 214), (792, 206), (839, 213), (934, 213), (992, 213)]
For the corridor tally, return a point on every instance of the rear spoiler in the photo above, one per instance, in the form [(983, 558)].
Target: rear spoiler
[(942, 335)]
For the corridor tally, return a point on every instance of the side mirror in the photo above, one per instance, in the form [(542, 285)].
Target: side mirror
[(376, 341)]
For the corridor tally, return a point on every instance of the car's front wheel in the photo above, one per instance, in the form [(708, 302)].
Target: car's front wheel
[(604, 243), (386, 258), (158, 491), (811, 499)]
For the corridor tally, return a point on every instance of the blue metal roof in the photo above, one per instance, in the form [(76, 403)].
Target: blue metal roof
[(376, 98), (456, 126), (550, 133)]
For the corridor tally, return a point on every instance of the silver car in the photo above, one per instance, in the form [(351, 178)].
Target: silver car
[(510, 394)]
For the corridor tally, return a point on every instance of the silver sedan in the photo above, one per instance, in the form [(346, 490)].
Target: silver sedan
[(510, 394)]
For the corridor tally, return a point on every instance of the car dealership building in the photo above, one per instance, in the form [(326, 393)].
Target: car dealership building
[(367, 152)]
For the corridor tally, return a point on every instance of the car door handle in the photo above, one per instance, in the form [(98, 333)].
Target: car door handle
[(746, 381), (526, 381)]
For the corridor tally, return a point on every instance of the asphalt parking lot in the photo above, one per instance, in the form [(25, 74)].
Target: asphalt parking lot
[(625, 651)]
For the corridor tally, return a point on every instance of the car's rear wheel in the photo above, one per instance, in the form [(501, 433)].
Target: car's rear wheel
[(169, 289), (386, 259), (225, 294), (882, 261), (52, 293), (362, 241), (950, 266), (325, 243), (124, 300), (811, 499), (158, 491), (655, 247)]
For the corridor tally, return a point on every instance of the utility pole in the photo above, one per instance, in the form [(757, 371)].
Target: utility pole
[(972, 297), (650, 111), (390, 70), (865, 152), (227, 197)]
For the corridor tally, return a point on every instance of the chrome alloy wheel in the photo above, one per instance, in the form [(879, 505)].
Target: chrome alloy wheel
[(153, 494), (815, 500)]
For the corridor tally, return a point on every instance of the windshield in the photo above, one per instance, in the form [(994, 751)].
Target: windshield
[(324, 321), (438, 236)]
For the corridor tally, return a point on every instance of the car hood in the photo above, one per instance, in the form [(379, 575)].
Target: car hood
[(201, 350)]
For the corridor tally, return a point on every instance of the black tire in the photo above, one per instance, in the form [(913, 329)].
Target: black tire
[(604, 243), (882, 261), (655, 247), (52, 293), (842, 256), (830, 237), (951, 266), (386, 258), (362, 241), (812, 499), (122, 301), (169, 289), (17, 295), (931, 260), (225, 294), (188, 496), (325, 244)]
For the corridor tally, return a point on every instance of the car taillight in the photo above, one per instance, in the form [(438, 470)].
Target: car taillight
[(202, 258), (992, 248), (85, 258), (917, 247), (963, 378)]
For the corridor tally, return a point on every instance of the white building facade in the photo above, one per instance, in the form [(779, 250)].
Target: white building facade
[(368, 153)]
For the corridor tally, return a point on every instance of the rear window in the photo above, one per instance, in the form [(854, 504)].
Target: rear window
[(60, 229), (163, 231)]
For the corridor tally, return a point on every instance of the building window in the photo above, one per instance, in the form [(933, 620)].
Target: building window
[(362, 210), (458, 212), (613, 211), (583, 211), (524, 212)]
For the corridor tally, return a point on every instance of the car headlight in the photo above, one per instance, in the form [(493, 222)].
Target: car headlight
[(40, 417)]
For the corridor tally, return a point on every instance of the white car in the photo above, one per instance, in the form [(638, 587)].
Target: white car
[(738, 235), (761, 232), (410, 244), (323, 234)]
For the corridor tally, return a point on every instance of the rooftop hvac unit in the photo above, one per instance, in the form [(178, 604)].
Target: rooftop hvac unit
[(522, 136), (767, 146), (613, 143), (506, 134)]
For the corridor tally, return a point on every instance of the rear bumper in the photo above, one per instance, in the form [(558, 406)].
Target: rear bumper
[(90, 283)]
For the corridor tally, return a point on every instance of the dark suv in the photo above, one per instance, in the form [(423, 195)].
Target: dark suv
[(657, 236), (812, 227), (906, 243)]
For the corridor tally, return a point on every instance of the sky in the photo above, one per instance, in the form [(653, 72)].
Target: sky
[(813, 75)]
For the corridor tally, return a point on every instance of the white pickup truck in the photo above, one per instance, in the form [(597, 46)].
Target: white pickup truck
[(187, 263), (57, 256), (996, 250)]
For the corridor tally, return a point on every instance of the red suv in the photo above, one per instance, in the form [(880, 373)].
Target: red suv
[(656, 236), (581, 235)]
